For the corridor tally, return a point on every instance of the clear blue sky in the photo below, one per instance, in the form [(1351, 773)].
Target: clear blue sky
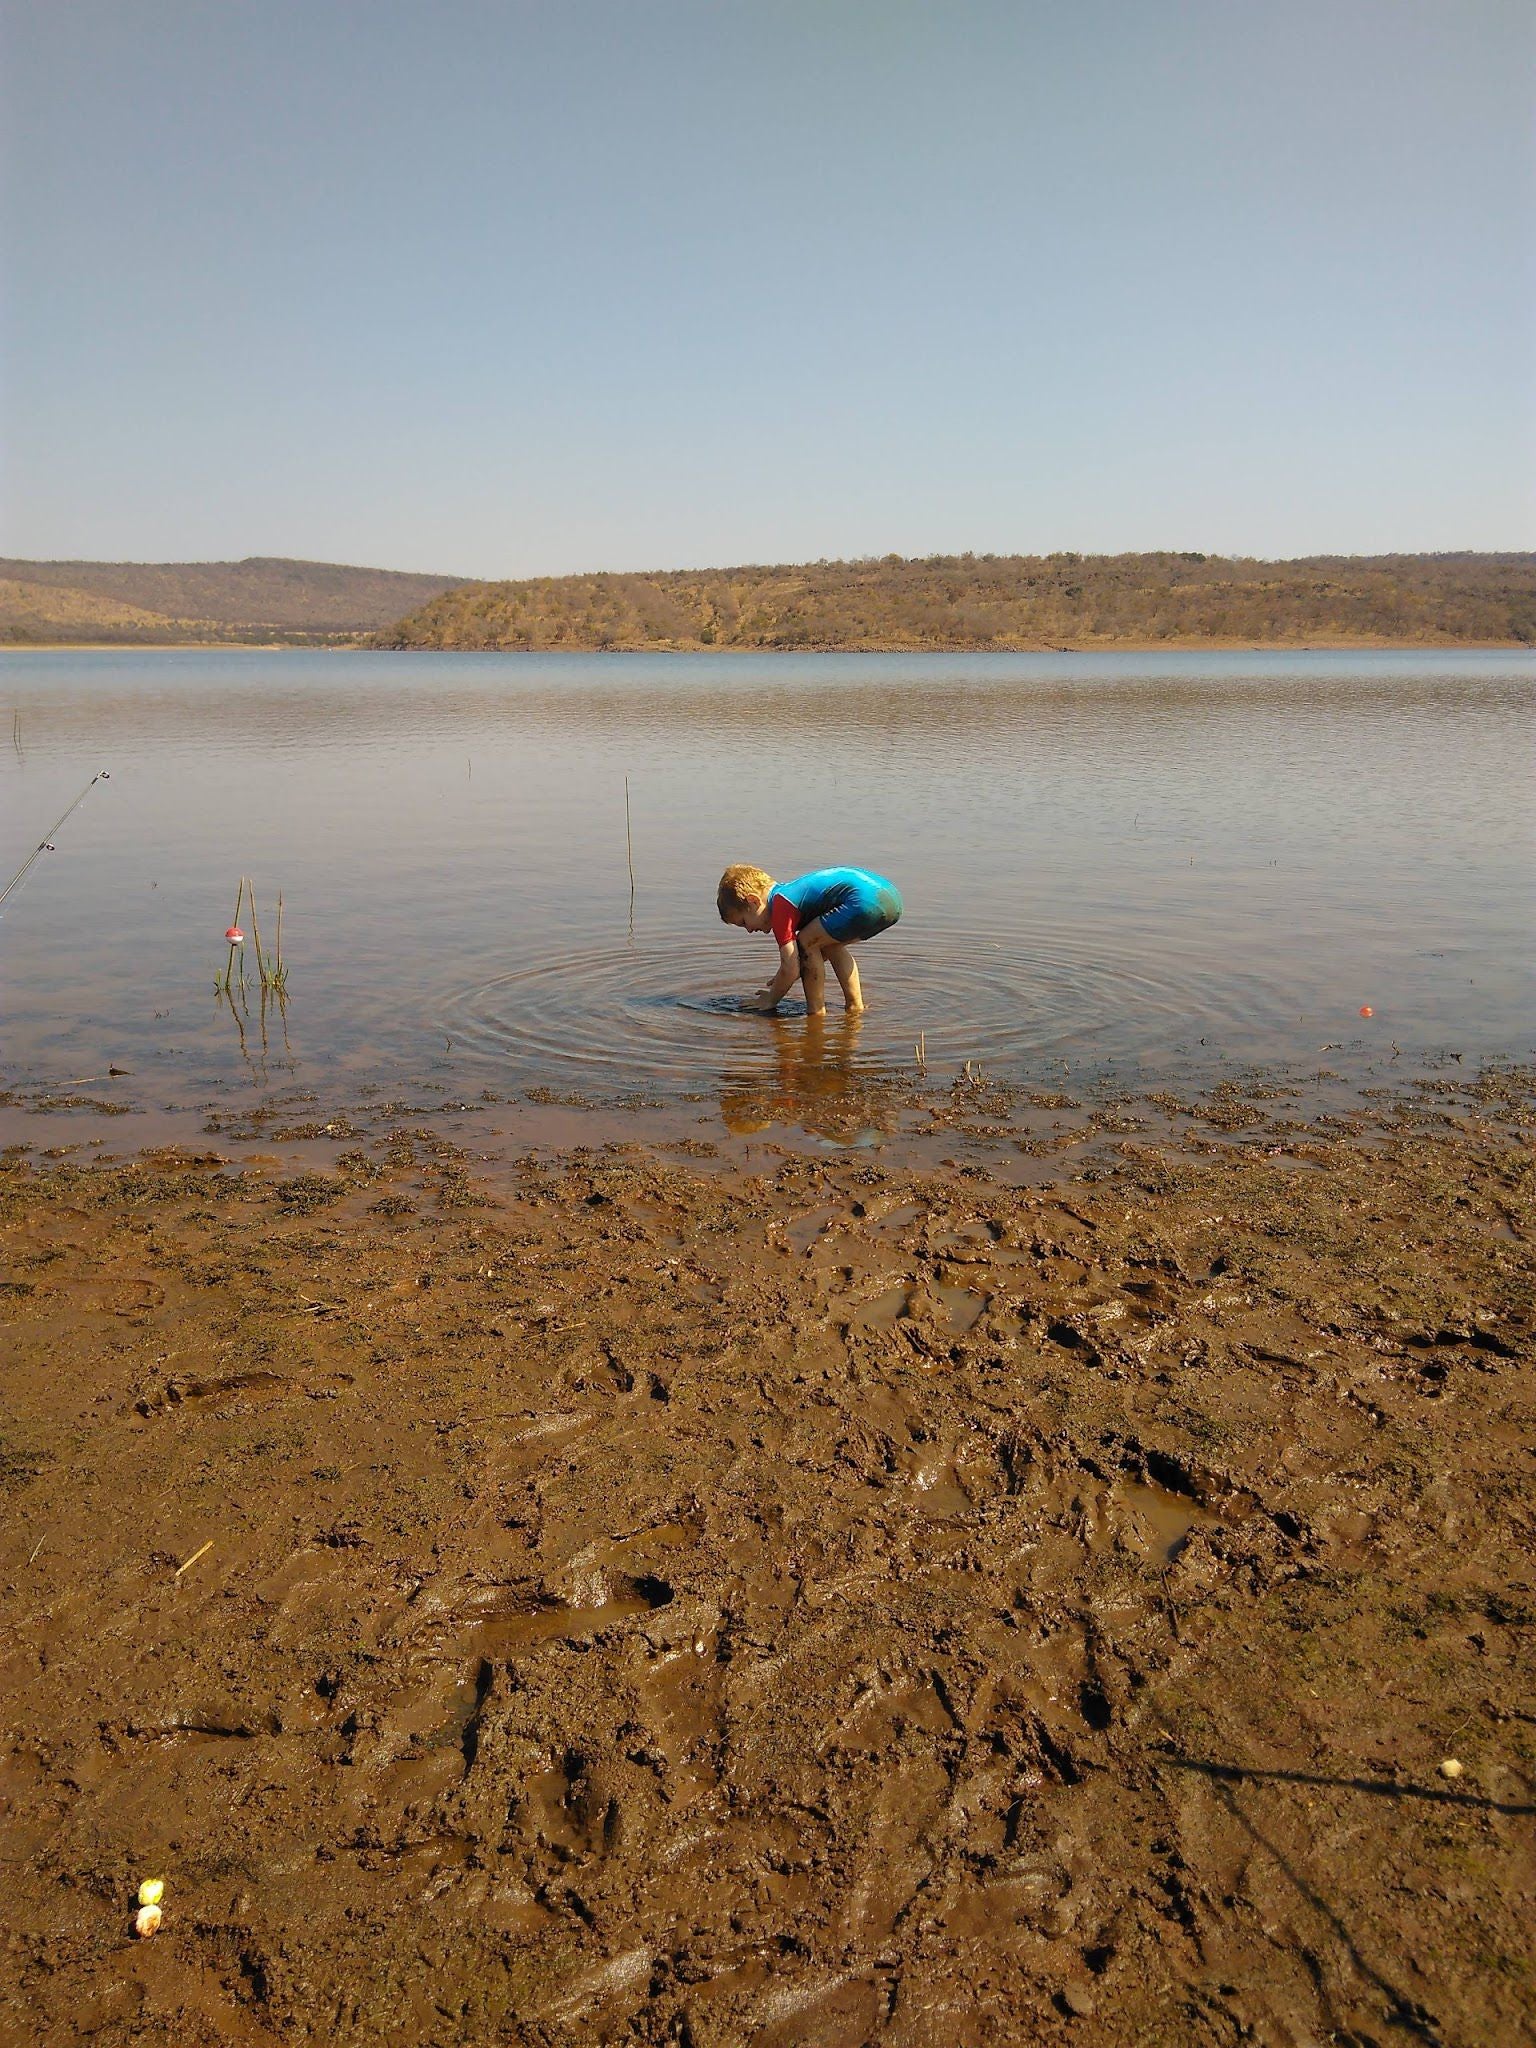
[(502, 288)]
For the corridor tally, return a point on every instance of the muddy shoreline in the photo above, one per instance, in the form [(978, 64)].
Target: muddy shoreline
[(673, 1595)]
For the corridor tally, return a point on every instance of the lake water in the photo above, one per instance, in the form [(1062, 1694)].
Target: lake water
[(1136, 868)]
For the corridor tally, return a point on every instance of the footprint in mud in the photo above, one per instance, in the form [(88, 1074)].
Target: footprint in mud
[(1165, 1519), (1162, 1505), (437, 1707), (547, 1432), (682, 1693), (963, 1306), (802, 1234), (965, 1241), (430, 1735), (941, 1492), (258, 1384), (946, 1308), (129, 1295), (883, 1311), (1070, 1691), (500, 1621), (572, 1809), (898, 1222)]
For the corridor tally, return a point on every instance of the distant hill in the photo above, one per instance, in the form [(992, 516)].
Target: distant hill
[(938, 601), (44, 611), (978, 601), (263, 597)]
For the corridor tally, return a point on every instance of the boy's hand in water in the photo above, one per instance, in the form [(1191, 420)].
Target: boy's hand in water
[(773, 993)]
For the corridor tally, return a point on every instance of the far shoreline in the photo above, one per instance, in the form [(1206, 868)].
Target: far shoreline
[(1178, 645)]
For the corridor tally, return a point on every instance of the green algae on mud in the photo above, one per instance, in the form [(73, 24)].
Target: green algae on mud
[(843, 1598)]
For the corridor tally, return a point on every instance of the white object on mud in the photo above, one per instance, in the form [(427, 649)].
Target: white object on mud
[(1452, 1768), (146, 1922)]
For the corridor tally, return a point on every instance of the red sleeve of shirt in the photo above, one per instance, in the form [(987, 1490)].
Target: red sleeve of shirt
[(786, 920)]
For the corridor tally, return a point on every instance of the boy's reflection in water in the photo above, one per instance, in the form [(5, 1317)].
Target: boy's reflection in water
[(815, 1084)]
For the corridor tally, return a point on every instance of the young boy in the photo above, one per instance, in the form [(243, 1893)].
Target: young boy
[(815, 919)]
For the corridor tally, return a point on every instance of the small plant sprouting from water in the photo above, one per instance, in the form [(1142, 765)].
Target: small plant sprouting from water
[(271, 969)]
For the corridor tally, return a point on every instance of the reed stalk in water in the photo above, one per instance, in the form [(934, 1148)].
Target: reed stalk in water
[(277, 973), (274, 975), (261, 965)]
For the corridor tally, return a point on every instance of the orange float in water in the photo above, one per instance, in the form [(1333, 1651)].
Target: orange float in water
[(1366, 1010)]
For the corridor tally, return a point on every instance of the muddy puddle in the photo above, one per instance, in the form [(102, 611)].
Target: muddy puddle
[(1166, 1519), (616, 1594)]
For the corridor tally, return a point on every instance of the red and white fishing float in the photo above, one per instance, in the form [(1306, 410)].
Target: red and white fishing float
[(235, 936)]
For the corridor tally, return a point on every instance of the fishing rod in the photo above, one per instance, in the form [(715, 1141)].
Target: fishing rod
[(45, 844)]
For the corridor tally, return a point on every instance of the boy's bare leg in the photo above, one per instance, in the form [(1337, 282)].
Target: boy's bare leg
[(846, 968), (813, 979)]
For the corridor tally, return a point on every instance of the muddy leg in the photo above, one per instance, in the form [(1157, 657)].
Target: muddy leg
[(813, 979), (846, 968)]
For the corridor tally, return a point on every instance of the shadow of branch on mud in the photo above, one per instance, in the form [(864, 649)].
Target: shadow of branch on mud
[(1403, 2011), (1380, 1788)]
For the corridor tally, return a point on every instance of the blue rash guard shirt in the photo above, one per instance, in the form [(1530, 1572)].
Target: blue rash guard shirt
[(852, 904)]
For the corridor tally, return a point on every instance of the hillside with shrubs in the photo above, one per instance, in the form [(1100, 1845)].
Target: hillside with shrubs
[(999, 601)]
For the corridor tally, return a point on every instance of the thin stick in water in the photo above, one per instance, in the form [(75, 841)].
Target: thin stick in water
[(239, 898), (261, 965), (234, 925), (629, 844)]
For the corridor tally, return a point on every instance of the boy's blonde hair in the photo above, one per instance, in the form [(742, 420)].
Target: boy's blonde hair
[(742, 888)]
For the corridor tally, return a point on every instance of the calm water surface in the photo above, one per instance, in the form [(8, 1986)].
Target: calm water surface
[(1152, 869)]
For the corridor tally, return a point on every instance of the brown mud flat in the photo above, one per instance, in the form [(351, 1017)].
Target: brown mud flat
[(837, 1604)]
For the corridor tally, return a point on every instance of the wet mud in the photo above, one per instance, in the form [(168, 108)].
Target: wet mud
[(631, 1598)]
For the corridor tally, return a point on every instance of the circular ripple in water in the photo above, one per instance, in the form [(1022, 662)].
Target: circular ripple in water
[(646, 1016)]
